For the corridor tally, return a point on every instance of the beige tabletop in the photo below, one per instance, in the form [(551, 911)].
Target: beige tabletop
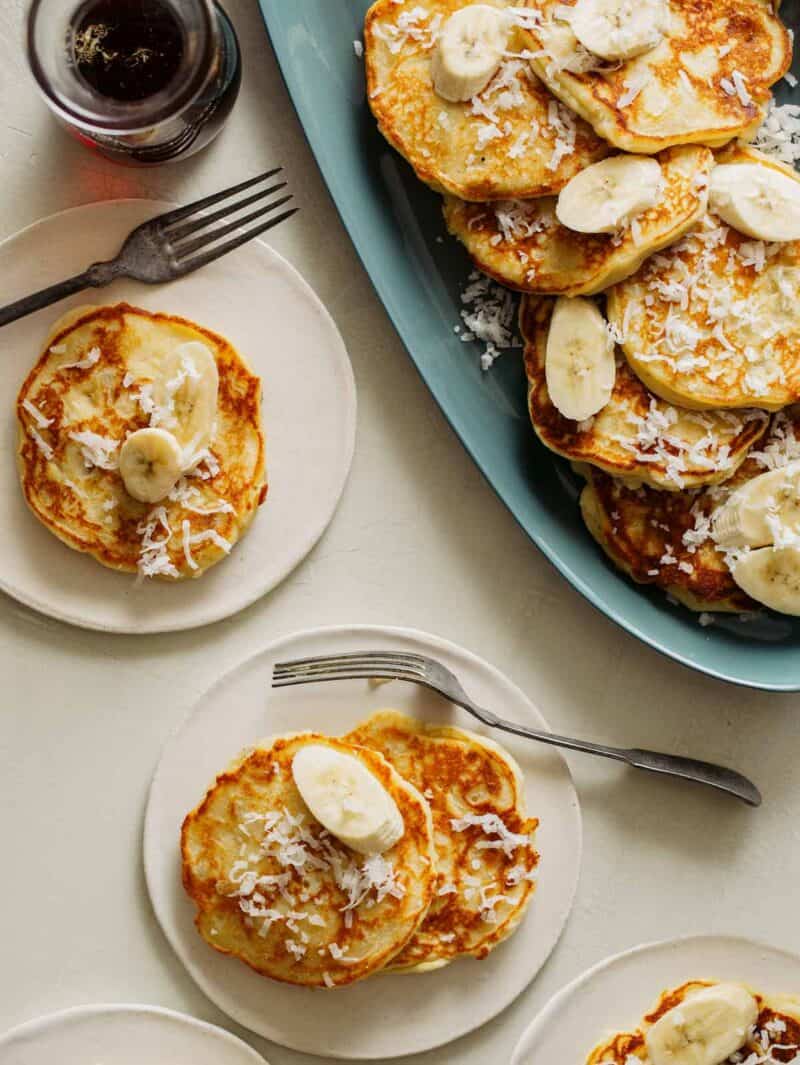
[(420, 540)]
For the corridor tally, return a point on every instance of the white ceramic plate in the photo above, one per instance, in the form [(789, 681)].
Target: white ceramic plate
[(260, 303), (122, 1035), (390, 1015), (615, 995)]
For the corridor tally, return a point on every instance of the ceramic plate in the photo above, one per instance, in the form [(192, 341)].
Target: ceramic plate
[(396, 225), (394, 1014), (617, 993), (261, 304), (122, 1035)]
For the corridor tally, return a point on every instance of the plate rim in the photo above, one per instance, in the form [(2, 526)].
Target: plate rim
[(563, 993), (358, 630), (308, 543), (45, 1020), (551, 554)]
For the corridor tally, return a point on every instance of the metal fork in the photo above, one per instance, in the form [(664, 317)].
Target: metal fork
[(400, 665), (160, 249)]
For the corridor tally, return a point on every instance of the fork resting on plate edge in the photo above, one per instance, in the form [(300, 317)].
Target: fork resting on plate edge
[(159, 249), (419, 669)]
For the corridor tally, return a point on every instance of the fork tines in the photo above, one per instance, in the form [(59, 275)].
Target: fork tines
[(356, 665), (198, 223)]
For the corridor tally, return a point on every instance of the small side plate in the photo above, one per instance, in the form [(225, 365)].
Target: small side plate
[(389, 1015), (123, 1035), (260, 303), (615, 995)]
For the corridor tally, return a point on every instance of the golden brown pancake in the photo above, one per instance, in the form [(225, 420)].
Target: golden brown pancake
[(706, 82), (484, 840), (664, 538), (778, 1026), (712, 321), (621, 1047), (642, 531), (521, 243), (277, 891), (88, 382), (636, 436), (517, 140)]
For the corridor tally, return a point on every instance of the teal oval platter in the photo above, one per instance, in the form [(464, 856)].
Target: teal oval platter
[(396, 225)]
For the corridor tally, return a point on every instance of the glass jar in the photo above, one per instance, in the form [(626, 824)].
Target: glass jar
[(142, 82)]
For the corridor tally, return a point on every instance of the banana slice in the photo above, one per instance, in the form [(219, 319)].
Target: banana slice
[(468, 51), (579, 358), (758, 201), (347, 799), (771, 575), (757, 513), (150, 464), (619, 29), (185, 396), (606, 195), (705, 1029)]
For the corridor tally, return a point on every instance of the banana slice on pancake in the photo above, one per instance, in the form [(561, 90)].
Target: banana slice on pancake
[(468, 51), (759, 201), (185, 397), (705, 1029), (762, 521), (182, 403), (771, 576), (579, 358), (348, 800), (608, 194), (150, 464), (619, 29), (761, 511)]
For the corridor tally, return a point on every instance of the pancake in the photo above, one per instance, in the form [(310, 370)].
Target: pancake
[(664, 538), (275, 890), (521, 243), (712, 321), (485, 868), (513, 140), (777, 1027), (625, 1047), (706, 82), (73, 486), (636, 436)]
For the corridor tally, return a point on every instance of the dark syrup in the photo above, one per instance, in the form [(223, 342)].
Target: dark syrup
[(127, 50)]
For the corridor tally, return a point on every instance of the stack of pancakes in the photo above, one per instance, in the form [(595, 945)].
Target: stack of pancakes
[(277, 891), (703, 317)]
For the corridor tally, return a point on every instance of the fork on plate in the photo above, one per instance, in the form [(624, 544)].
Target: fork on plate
[(419, 669), (175, 243)]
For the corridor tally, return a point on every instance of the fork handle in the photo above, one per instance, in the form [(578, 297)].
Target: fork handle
[(98, 274), (714, 776)]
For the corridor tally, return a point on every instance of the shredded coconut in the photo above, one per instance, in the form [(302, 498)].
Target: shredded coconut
[(779, 133), (489, 314), (189, 496), (562, 121), (40, 442), (299, 851), (491, 825), (97, 450), (89, 359), (413, 27), (211, 535), (154, 557), (633, 86), (36, 414)]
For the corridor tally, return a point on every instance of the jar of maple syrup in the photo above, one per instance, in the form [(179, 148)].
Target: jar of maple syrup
[(141, 81)]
